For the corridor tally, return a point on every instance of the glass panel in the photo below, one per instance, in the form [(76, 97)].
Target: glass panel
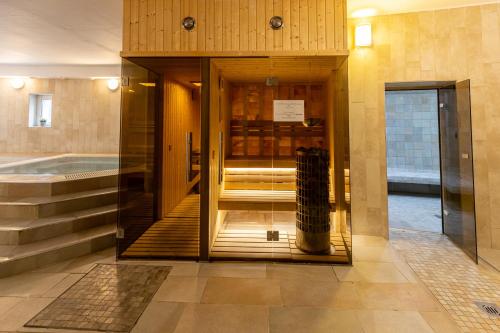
[(457, 167), (137, 191), (161, 157), (257, 194)]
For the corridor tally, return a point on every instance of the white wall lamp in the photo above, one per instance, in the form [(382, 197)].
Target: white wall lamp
[(113, 84), (363, 35), (17, 83)]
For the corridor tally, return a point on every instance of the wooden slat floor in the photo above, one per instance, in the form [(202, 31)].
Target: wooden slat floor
[(244, 235), (176, 235)]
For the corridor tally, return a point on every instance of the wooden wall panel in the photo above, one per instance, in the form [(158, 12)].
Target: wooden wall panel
[(216, 126), (181, 115), (253, 134), (153, 27), (85, 117)]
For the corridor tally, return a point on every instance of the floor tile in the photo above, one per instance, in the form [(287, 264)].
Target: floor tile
[(440, 322), (365, 240), (374, 253), (377, 272), (392, 322), (218, 318), (108, 298), (18, 315), (6, 303), (425, 216), (235, 270), (307, 272), (396, 296), (29, 284), (451, 276), (185, 269), (62, 286), (340, 295), (181, 289), (159, 317), (242, 291), (312, 320)]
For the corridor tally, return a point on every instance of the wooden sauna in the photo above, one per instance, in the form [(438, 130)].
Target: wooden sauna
[(256, 152), (218, 148)]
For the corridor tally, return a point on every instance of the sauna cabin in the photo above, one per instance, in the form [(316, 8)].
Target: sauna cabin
[(209, 136)]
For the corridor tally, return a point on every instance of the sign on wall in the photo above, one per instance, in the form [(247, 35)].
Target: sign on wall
[(288, 110)]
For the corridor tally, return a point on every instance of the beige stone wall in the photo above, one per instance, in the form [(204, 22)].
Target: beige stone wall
[(85, 117), (454, 44)]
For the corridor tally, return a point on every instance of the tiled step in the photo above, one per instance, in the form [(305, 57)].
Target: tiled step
[(25, 187), (15, 259), (39, 207), (24, 231)]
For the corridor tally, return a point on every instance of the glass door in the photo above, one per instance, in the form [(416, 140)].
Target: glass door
[(137, 204), (163, 159), (457, 175), (267, 109)]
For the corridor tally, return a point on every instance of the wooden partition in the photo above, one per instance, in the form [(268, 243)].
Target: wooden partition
[(181, 116), (253, 132), (234, 27)]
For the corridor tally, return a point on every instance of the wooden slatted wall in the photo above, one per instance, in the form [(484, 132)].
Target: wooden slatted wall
[(253, 133), (181, 115), (153, 27)]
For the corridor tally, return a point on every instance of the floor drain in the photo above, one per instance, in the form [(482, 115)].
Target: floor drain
[(489, 308)]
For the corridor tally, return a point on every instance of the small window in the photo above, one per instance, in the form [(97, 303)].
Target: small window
[(40, 110)]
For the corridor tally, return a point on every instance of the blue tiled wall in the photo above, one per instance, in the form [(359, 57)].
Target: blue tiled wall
[(412, 130)]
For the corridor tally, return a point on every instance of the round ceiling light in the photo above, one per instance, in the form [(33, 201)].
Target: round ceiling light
[(188, 23), (17, 82), (276, 22), (113, 84)]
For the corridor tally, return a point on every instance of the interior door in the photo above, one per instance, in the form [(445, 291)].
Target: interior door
[(457, 177), (137, 204)]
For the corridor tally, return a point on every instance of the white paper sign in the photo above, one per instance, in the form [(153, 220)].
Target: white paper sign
[(289, 110)]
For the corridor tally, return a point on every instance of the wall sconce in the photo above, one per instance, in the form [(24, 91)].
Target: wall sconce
[(363, 35), (17, 82), (113, 84)]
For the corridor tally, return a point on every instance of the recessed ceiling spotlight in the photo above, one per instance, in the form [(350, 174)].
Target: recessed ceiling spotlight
[(17, 82), (276, 22), (188, 23), (113, 84), (365, 12)]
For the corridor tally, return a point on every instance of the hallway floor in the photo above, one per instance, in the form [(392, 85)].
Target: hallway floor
[(380, 293), (415, 212)]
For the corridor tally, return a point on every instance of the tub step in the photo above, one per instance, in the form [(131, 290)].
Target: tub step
[(39, 207), (53, 185), (24, 231), (16, 259)]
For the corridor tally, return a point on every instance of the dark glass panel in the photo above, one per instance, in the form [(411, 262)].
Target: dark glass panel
[(136, 203), (457, 167)]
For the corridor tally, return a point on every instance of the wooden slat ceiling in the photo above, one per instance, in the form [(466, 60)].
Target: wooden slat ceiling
[(286, 69)]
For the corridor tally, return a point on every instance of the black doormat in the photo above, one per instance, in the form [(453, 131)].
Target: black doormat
[(108, 298)]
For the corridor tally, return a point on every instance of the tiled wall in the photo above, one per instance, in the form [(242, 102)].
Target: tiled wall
[(85, 117), (442, 45), (412, 130)]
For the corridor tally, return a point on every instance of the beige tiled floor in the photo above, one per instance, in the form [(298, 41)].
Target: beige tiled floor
[(380, 293), (452, 277)]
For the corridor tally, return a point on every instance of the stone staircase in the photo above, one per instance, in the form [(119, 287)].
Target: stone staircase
[(46, 222)]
